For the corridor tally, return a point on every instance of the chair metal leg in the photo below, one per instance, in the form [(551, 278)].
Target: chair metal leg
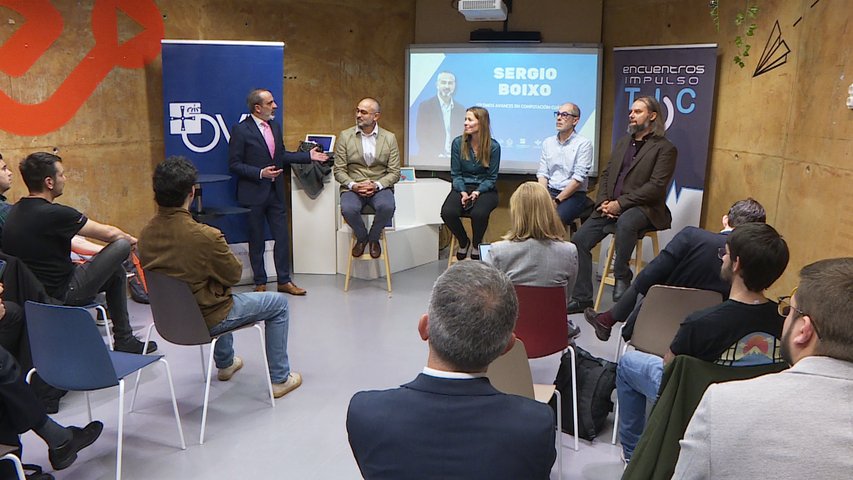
[(619, 355), (387, 262), (139, 372), (88, 406), (19, 469), (559, 433), (120, 427), (108, 324), (174, 402), (207, 392), (201, 351), (30, 375), (574, 397), (262, 336)]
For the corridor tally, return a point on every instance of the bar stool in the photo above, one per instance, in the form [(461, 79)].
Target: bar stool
[(369, 210), (607, 277), (454, 245)]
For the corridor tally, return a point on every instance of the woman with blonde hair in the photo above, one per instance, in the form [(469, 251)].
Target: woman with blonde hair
[(475, 158), (533, 252)]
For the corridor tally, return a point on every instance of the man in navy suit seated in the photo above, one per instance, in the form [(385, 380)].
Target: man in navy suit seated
[(691, 260), (450, 422)]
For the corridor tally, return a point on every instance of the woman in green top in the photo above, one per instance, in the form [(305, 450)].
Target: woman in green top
[(474, 161)]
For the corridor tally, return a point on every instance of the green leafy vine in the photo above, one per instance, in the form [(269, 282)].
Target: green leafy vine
[(744, 21)]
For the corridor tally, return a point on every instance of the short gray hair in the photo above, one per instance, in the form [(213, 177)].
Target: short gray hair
[(254, 98), (472, 313)]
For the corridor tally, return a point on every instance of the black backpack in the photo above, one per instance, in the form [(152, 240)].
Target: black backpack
[(596, 379)]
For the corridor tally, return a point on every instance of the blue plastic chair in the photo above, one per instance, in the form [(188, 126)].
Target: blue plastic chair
[(69, 354)]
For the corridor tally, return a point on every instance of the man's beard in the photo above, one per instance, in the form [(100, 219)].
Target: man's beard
[(726, 273), (636, 128), (785, 347)]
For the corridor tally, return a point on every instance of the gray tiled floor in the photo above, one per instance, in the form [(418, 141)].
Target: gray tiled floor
[(340, 342)]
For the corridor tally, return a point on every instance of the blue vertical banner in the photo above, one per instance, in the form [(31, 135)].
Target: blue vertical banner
[(682, 79), (205, 84)]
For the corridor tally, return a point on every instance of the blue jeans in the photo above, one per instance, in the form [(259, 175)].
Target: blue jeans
[(638, 378), (570, 208), (249, 308)]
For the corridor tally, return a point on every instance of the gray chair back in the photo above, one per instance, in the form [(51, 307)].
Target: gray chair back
[(510, 373), (176, 313), (663, 310)]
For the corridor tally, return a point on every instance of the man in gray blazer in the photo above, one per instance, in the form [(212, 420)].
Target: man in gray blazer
[(790, 425), (367, 165)]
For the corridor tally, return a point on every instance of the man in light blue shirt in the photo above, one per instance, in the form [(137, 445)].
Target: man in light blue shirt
[(565, 163)]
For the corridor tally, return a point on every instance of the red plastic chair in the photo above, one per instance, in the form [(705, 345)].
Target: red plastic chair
[(542, 323), (544, 328)]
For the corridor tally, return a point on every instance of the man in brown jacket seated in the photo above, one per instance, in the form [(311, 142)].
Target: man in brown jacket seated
[(631, 198), (174, 244)]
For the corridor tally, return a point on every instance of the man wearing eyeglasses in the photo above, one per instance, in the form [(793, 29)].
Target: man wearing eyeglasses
[(367, 165), (794, 424), (565, 163), (755, 256)]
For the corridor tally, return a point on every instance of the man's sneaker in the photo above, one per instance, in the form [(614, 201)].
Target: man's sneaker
[(225, 374), (133, 345), (64, 455), (292, 383)]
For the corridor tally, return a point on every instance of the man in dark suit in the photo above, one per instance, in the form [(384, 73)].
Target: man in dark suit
[(440, 119), (631, 195), (450, 422), (256, 154), (691, 260)]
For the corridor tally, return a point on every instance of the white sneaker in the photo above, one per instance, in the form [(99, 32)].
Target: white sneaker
[(225, 374), (292, 383)]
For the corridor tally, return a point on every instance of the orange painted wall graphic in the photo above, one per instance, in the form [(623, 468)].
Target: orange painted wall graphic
[(43, 25)]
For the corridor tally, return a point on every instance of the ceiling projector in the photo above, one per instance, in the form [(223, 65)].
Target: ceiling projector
[(483, 10)]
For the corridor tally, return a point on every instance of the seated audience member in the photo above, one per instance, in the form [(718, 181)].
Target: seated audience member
[(689, 260), (565, 164), (450, 422), (11, 323), (533, 251), (475, 158), (5, 185), (795, 424), (21, 411), (631, 198), (755, 256), (367, 165), (39, 232), (176, 245)]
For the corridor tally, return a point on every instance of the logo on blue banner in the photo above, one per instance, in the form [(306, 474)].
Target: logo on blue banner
[(204, 94), (682, 79)]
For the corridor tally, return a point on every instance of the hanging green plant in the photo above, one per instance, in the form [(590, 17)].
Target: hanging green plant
[(746, 26)]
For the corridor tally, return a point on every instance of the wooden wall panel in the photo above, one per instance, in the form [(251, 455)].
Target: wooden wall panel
[(784, 137), (337, 52)]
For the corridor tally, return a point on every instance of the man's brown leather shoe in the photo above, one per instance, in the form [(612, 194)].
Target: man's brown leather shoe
[(291, 288), (261, 288), (375, 250), (358, 249)]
